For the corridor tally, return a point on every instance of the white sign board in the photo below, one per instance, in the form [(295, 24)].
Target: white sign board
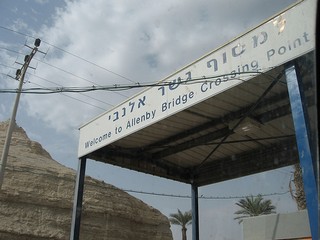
[(285, 37)]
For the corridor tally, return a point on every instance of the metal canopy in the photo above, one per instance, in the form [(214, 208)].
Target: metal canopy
[(243, 126), (203, 144), (235, 121), (245, 130)]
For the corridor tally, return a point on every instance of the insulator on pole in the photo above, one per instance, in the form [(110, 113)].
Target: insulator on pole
[(26, 58), (18, 72), (37, 42)]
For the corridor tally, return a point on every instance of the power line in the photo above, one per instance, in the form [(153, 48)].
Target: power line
[(11, 30), (43, 87), (44, 79), (204, 197), (77, 99), (49, 174), (65, 71), (72, 54), (58, 68), (74, 75), (10, 50), (122, 87)]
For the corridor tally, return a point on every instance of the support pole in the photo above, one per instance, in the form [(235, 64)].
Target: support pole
[(20, 76), (77, 200), (195, 212), (307, 163)]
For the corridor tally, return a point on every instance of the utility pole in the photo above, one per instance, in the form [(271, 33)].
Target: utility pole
[(19, 76)]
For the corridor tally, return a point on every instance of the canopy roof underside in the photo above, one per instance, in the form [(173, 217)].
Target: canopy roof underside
[(244, 130)]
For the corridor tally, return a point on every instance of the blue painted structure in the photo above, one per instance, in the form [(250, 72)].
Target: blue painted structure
[(195, 212), (302, 130)]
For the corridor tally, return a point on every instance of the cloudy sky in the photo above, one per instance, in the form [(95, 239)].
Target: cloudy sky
[(94, 43)]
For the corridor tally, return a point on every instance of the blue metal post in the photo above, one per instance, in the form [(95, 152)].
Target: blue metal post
[(307, 163), (195, 212), (77, 201)]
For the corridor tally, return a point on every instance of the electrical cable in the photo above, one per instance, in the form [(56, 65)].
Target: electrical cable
[(9, 50), (122, 87), (72, 54), (202, 196), (58, 68), (47, 173), (98, 100), (77, 99)]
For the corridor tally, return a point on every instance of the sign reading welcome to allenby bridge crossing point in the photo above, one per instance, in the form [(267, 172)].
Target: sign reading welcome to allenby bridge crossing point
[(282, 38)]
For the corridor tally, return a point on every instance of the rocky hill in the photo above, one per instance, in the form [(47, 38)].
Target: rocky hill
[(36, 201)]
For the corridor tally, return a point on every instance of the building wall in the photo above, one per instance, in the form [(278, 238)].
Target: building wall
[(277, 226)]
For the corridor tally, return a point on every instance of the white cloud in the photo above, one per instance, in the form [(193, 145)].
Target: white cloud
[(19, 25), (42, 1), (142, 40)]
